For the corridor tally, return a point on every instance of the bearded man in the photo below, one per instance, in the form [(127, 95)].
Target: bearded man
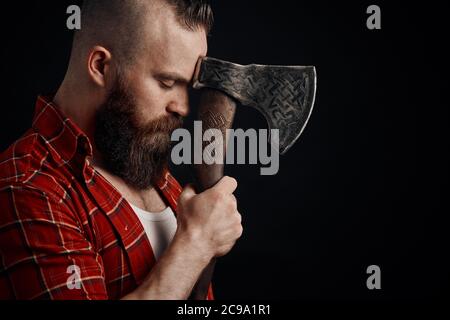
[(89, 209)]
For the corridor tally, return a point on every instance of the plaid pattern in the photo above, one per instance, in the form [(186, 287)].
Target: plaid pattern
[(56, 211)]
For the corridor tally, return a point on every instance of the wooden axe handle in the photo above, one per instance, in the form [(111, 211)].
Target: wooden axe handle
[(216, 111)]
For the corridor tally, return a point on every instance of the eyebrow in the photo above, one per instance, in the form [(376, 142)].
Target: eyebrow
[(173, 76)]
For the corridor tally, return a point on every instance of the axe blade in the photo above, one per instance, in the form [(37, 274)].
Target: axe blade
[(285, 95)]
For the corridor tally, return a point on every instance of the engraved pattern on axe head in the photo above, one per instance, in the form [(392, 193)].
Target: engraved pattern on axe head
[(283, 94)]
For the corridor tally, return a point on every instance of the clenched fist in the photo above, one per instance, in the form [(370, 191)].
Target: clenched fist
[(209, 222)]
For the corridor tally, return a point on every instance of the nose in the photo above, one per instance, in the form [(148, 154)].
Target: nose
[(179, 104)]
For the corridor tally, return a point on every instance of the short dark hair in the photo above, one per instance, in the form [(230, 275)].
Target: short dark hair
[(109, 20), (194, 13)]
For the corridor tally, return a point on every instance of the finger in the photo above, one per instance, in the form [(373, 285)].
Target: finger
[(239, 217), (226, 185), (188, 193), (234, 200)]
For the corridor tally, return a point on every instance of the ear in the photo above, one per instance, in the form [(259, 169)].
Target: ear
[(99, 65)]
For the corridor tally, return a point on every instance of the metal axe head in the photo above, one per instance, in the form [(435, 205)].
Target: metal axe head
[(283, 94)]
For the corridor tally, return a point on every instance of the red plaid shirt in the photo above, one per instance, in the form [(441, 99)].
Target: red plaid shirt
[(57, 212)]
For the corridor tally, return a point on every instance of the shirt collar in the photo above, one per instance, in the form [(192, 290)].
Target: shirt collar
[(61, 134)]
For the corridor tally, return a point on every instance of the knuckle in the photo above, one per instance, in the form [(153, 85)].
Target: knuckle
[(232, 205), (230, 180), (239, 217), (240, 231), (217, 196), (234, 200)]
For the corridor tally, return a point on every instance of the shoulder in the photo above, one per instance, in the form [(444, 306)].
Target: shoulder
[(27, 164), (17, 162)]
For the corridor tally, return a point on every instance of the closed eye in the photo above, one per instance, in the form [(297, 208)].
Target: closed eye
[(168, 80), (167, 84)]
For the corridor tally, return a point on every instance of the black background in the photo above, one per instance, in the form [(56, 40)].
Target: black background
[(366, 184)]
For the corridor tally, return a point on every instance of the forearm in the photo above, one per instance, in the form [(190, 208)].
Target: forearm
[(174, 275)]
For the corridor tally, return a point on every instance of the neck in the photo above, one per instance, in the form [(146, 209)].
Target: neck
[(74, 103), (77, 103)]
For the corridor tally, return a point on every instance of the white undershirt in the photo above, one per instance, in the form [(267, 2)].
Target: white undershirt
[(160, 228)]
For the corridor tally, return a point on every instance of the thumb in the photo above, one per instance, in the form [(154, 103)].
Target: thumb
[(188, 193)]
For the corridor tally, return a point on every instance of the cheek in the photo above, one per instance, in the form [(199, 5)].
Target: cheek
[(150, 100)]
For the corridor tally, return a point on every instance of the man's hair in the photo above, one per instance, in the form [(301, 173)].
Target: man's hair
[(194, 13), (117, 24)]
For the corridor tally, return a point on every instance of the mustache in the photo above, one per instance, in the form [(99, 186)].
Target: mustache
[(165, 125)]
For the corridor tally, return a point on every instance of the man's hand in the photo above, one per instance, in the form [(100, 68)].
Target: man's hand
[(209, 222), (208, 226)]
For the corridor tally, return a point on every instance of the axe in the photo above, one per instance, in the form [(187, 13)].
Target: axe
[(283, 94)]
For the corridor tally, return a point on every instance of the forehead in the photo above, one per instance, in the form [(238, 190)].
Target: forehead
[(170, 47)]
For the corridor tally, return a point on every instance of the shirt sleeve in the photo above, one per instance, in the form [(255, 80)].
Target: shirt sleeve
[(44, 251)]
